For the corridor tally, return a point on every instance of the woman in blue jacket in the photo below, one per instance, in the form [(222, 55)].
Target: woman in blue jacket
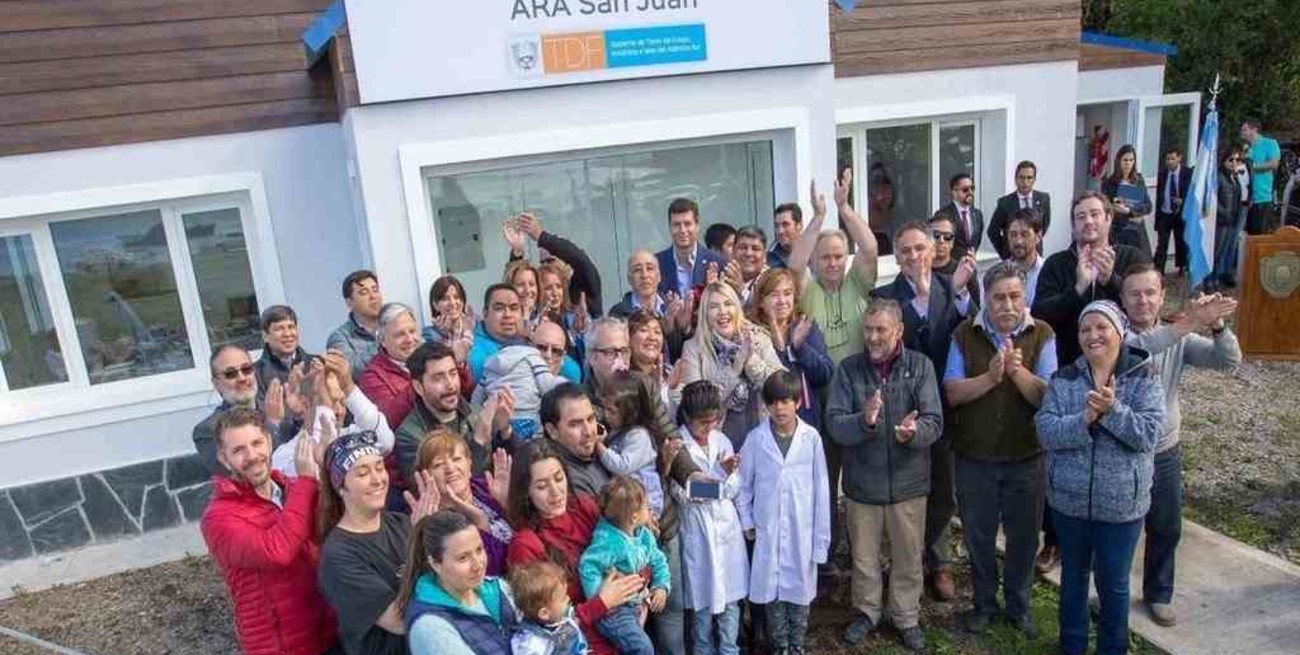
[(1099, 424)]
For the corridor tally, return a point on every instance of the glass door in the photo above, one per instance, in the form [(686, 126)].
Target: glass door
[(1163, 122)]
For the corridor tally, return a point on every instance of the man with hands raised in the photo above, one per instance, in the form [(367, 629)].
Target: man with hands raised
[(1091, 269), (997, 372), (884, 410), (1172, 347)]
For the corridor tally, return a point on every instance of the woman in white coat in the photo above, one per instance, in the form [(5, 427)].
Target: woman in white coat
[(714, 564), (784, 505)]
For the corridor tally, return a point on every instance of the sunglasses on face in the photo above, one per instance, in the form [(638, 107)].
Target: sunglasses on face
[(943, 236), (966, 189), (233, 372)]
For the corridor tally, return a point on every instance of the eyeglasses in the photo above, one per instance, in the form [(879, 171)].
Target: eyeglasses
[(549, 350), (620, 353), (943, 236), (966, 189), (233, 372)]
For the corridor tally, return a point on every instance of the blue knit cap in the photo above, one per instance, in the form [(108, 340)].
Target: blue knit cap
[(345, 451)]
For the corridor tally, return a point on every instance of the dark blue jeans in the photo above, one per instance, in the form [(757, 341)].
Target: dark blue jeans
[(622, 627), (1164, 527), (1106, 551)]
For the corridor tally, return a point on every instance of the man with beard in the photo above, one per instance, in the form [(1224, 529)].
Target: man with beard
[(440, 406), (748, 261), (1024, 243), (569, 419), (234, 377), (258, 528), (932, 306), (787, 225), (995, 379), (1024, 197)]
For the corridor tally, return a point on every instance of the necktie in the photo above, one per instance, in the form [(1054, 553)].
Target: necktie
[(1024, 202), (965, 223)]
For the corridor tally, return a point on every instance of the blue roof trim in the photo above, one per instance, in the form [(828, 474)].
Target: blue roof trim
[(318, 35), (846, 6), (1153, 47)]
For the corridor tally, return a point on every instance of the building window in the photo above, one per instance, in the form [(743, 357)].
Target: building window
[(907, 168), (609, 205), (30, 352), (136, 293)]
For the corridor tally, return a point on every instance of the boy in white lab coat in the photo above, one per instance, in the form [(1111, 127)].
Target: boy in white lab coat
[(785, 508), (714, 563)]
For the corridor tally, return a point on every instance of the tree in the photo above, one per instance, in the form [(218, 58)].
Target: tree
[(1254, 47)]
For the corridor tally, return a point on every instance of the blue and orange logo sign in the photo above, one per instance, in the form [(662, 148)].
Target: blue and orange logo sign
[(572, 52)]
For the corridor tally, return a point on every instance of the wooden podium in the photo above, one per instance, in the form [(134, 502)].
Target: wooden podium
[(1268, 318)]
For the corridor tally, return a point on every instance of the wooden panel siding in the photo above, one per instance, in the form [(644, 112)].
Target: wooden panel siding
[(85, 73), (1100, 57), (896, 36)]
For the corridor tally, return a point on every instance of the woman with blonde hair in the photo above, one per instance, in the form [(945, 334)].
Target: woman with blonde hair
[(795, 337), (732, 353)]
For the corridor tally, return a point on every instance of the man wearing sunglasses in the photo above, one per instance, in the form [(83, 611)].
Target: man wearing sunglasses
[(234, 377), (1025, 196), (969, 219), (943, 229)]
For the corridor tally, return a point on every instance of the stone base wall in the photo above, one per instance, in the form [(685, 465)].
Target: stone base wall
[(59, 515)]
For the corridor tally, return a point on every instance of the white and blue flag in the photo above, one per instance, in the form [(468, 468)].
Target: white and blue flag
[(1202, 203)]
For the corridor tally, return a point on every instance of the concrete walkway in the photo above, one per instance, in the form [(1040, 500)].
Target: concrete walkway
[(1230, 598)]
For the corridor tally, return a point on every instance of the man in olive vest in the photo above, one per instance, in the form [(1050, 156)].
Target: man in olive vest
[(995, 379)]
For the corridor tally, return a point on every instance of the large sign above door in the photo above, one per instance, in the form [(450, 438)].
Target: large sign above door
[(406, 49)]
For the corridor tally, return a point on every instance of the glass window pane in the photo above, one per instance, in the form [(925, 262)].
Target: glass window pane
[(120, 283), (1166, 128), (843, 160), (607, 205), (898, 177), (29, 346), (225, 279), (956, 155)]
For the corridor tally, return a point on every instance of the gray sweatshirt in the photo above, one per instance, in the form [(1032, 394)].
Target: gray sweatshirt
[(523, 370), (1170, 353)]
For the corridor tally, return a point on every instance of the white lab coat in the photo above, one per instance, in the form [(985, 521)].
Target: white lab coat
[(786, 500), (714, 563)]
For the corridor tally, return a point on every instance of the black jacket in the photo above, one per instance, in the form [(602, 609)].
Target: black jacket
[(933, 335), (1184, 181), (877, 469), (961, 245), (586, 276), (1057, 303), (1007, 206)]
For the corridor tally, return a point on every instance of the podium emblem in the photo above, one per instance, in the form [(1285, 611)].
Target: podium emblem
[(1279, 274)]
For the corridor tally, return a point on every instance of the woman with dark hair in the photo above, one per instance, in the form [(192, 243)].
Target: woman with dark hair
[(1228, 221), (797, 339), (1132, 201), (446, 459), (553, 524), (522, 275), (449, 603), (1099, 424), (364, 546), (649, 355), (453, 324)]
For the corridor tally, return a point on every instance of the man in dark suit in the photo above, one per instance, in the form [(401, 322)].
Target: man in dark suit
[(932, 309), (685, 264), (1024, 197), (970, 221), (1170, 191)]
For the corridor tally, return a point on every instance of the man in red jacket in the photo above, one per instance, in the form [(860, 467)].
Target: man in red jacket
[(258, 527)]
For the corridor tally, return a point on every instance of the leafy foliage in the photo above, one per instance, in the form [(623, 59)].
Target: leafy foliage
[(1254, 46)]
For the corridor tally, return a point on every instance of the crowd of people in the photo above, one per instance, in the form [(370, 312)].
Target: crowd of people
[(674, 475)]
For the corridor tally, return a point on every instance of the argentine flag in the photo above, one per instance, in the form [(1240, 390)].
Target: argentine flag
[(1202, 203)]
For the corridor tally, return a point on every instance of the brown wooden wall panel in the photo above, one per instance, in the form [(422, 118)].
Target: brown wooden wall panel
[(87, 133), (896, 36), (82, 73), (348, 94), (127, 70), (1100, 57), (26, 15), (151, 37)]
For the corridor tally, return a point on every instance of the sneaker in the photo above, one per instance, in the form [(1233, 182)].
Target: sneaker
[(1163, 614), (858, 630), (1048, 558), (1025, 625), (913, 639), (944, 588), (975, 621)]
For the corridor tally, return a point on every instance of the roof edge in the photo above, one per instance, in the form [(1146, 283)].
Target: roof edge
[(1153, 47), (316, 38)]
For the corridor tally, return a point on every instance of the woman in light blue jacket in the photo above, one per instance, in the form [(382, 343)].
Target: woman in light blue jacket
[(1099, 424)]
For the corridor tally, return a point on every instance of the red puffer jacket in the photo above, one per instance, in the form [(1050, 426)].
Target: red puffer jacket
[(269, 561)]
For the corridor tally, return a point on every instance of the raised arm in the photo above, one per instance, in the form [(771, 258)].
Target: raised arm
[(802, 250), (866, 259)]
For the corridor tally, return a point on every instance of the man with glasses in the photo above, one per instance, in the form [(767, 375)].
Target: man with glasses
[(234, 377), (1024, 197), (969, 220), (356, 337), (943, 229), (932, 307)]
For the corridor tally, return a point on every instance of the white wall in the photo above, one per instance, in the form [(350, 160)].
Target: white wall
[(1040, 100), (378, 131), (1120, 83), (307, 189)]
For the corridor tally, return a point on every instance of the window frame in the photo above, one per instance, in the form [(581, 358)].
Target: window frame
[(77, 403)]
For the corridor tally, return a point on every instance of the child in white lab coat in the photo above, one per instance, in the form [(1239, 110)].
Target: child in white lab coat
[(784, 504), (714, 563)]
